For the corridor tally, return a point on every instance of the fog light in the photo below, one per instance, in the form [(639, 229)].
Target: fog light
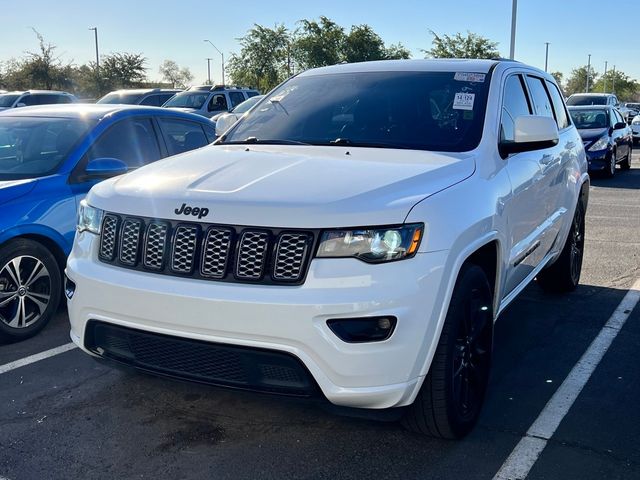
[(69, 287), (359, 330)]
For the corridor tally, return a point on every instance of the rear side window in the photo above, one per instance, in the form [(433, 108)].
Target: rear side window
[(251, 93), (514, 104), (236, 98), (151, 101), (562, 118), (181, 135), (541, 100), (131, 140), (63, 99)]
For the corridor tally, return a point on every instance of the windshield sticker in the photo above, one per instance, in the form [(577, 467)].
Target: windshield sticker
[(463, 101), (469, 77)]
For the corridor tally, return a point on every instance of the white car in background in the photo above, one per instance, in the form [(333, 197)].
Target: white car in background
[(225, 120), (353, 238)]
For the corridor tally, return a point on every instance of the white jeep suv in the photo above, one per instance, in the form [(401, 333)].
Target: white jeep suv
[(354, 237)]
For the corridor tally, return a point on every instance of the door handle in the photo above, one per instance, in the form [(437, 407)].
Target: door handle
[(546, 159)]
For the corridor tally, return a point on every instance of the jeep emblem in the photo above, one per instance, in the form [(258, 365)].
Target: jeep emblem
[(194, 211)]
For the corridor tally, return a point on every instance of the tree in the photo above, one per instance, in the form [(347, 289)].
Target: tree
[(122, 70), (263, 61), (558, 77), (397, 51), (577, 81), (470, 45), (617, 82), (317, 44), (176, 76), (363, 44)]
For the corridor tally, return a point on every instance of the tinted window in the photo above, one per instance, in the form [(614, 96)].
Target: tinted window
[(210, 131), (236, 98), (540, 97), (514, 105), (587, 100), (618, 117), (251, 93), (188, 100), (64, 99), (558, 106), (7, 100), (151, 101), (163, 97), (417, 110), (182, 135), (132, 140), (120, 97), (33, 147), (218, 103)]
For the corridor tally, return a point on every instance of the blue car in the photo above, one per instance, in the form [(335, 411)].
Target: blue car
[(50, 156)]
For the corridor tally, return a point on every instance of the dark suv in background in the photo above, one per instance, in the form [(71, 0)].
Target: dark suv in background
[(151, 97), (34, 97)]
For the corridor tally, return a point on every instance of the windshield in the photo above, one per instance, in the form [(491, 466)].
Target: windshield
[(115, 97), (247, 104), (188, 100), (587, 100), (34, 146), (7, 100), (417, 110), (591, 118)]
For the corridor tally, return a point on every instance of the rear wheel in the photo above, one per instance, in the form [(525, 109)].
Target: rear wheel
[(30, 289), (626, 163), (564, 274), (449, 402), (610, 169)]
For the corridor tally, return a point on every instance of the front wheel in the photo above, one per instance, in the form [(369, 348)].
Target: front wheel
[(610, 169), (30, 289), (449, 402), (564, 274)]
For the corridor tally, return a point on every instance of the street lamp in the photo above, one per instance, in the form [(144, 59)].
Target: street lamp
[(514, 12), (95, 32), (546, 56), (604, 77), (222, 54), (209, 70), (588, 72)]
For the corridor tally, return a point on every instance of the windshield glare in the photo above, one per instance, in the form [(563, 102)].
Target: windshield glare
[(586, 100), (247, 104), (33, 147), (115, 98), (7, 100), (585, 119), (416, 110), (188, 100)]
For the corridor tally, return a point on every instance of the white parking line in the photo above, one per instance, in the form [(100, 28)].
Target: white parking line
[(7, 367), (526, 453)]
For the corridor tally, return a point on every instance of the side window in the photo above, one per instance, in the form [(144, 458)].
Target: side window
[(29, 100), (63, 99), (150, 101), (562, 118), (251, 93), (541, 100), (210, 132), (218, 103), (131, 140), (162, 98), (618, 118), (181, 135), (514, 104), (236, 98)]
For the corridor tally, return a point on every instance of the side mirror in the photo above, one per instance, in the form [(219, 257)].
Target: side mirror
[(105, 168), (531, 132), (619, 126)]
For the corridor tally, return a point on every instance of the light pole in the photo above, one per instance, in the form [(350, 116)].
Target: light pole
[(588, 72), (514, 12), (546, 56), (95, 32), (613, 80), (222, 54), (604, 77), (209, 70)]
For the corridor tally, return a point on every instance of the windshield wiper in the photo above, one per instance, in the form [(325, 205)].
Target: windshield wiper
[(259, 141), (345, 142)]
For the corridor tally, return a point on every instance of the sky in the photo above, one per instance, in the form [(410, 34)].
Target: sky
[(175, 30)]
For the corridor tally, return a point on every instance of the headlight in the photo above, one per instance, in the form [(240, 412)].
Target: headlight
[(601, 144), (89, 218), (636, 120), (373, 245)]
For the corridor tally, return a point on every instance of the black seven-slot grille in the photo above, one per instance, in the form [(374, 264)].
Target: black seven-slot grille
[(207, 251), (213, 363)]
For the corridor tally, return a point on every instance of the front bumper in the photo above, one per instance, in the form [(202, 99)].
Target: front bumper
[(290, 319), (598, 160)]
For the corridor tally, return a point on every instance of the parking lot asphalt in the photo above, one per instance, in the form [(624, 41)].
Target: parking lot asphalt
[(70, 417)]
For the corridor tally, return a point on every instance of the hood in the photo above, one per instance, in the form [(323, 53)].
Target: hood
[(592, 133), (13, 189), (285, 186)]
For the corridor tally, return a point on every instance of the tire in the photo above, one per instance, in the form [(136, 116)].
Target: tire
[(30, 289), (626, 163), (451, 397), (564, 274), (610, 171)]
